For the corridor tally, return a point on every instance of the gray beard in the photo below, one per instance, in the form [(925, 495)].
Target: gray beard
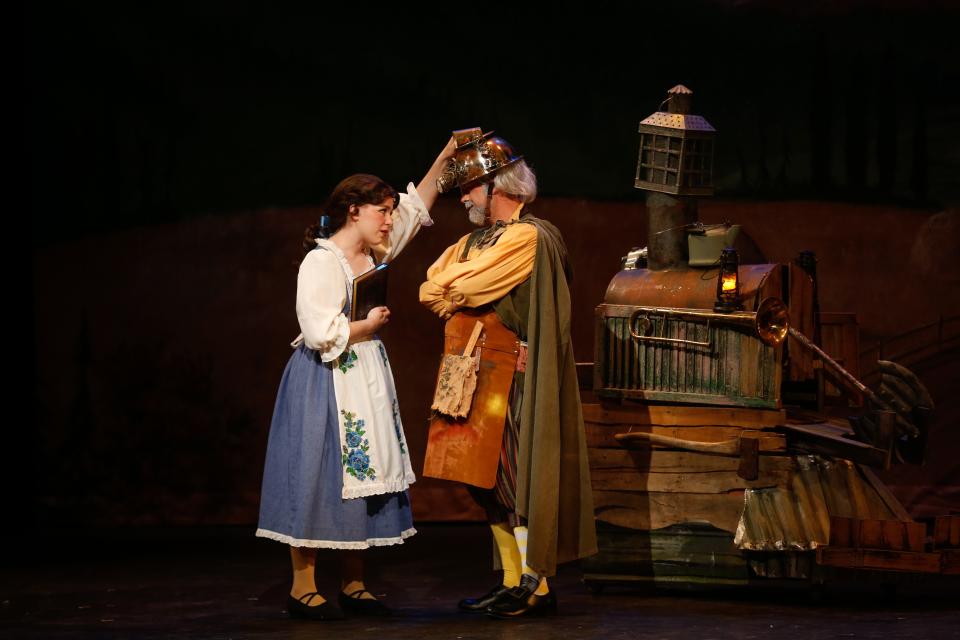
[(477, 215)]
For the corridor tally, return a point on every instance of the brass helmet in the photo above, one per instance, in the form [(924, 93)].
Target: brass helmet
[(478, 157)]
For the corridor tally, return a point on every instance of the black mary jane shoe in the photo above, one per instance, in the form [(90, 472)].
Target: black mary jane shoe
[(479, 605), (300, 608), (523, 601), (353, 604)]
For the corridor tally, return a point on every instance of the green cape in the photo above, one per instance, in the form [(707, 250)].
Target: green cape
[(553, 484)]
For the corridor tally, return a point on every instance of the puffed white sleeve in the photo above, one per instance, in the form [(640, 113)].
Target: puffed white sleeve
[(411, 214), (321, 296)]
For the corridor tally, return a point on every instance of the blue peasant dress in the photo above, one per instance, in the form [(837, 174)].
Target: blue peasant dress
[(337, 467)]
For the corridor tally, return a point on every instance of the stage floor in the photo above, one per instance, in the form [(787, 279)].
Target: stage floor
[(224, 583)]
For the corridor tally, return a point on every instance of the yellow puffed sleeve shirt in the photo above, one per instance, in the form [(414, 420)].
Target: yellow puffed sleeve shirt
[(485, 276)]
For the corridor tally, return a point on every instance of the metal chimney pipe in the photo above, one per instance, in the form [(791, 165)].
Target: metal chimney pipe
[(667, 240)]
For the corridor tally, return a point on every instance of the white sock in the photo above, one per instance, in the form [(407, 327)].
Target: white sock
[(520, 533)]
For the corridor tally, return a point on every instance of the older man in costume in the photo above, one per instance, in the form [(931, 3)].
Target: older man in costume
[(521, 449)]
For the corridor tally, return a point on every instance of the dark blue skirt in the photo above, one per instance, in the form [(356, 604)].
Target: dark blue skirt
[(300, 499)]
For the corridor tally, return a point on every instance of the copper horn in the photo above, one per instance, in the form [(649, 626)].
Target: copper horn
[(770, 322)]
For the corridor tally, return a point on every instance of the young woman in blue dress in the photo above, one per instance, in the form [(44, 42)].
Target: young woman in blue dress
[(337, 466)]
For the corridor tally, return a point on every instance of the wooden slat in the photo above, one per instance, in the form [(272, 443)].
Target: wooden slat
[(800, 305), (608, 413), (655, 510), (749, 468), (804, 317), (884, 493), (941, 532), (950, 561), (659, 460), (841, 532), (916, 536), (879, 559), (602, 435), (731, 370), (705, 482), (750, 352), (677, 397), (599, 333), (585, 376), (870, 534), (798, 366), (946, 532), (894, 535), (839, 336), (862, 506)]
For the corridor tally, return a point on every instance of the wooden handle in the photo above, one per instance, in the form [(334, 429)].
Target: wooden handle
[(728, 447), (472, 342)]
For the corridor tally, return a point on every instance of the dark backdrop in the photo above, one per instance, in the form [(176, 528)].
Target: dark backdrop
[(165, 148), (140, 115)]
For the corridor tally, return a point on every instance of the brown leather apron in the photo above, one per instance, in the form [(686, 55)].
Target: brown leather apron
[(468, 449)]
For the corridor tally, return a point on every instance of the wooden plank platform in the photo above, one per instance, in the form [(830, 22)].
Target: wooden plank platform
[(655, 510), (675, 416), (950, 562), (684, 552), (705, 482), (663, 461), (593, 580), (946, 532), (868, 533), (879, 559)]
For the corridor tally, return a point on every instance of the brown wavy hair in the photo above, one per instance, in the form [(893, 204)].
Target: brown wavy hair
[(358, 189)]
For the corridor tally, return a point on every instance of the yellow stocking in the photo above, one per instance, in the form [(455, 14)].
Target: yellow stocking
[(509, 554)]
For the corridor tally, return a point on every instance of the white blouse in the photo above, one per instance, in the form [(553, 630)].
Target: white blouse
[(322, 281)]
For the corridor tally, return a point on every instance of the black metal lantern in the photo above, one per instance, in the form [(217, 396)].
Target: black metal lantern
[(676, 149), (728, 282)]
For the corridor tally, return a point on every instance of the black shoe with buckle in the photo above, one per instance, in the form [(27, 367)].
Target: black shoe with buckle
[(523, 601), (479, 605), (353, 604), (300, 608)]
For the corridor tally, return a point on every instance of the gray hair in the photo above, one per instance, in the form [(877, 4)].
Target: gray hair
[(517, 181)]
